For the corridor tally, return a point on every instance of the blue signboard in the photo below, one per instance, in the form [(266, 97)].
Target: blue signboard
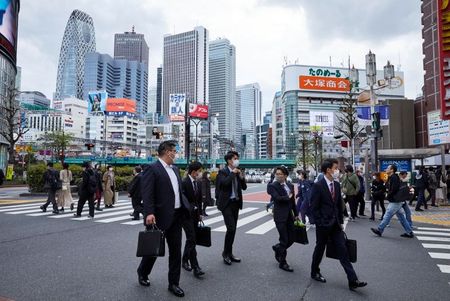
[(402, 164)]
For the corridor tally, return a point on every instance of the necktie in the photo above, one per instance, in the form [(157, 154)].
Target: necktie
[(195, 187), (332, 191)]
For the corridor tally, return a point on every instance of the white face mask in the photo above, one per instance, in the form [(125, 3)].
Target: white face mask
[(279, 179), (336, 174), (374, 177), (236, 163), (110, 169), (199, 175)]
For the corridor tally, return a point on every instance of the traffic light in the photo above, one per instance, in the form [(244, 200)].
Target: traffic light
[(89, 145), (376, 125)]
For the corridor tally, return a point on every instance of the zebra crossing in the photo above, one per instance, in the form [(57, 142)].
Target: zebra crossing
[(254, 220), (437, 243)]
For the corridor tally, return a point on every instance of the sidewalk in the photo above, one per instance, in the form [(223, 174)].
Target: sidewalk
[(433, 215)]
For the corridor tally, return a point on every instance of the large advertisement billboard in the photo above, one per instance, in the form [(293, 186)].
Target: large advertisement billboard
[(322, 122), (198, 111), (444, 56), (120, 106), (97, 101), (9, 13), (438, 129), (177, 106)]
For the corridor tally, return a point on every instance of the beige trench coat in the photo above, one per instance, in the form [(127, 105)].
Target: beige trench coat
[(64, 194), (108, 192)]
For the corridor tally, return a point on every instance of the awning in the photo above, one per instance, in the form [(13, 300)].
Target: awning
[(410, 153)]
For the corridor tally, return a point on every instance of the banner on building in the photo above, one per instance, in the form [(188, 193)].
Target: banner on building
[(177, 106), (438, 129), (97, 102), (198, 111), (402, 164), (320, 83), (322, 122), (444, 56), (365, 115), (120, 105)]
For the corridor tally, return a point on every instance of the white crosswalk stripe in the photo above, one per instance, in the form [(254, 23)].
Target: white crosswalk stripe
[(439, 246), (244, 221)]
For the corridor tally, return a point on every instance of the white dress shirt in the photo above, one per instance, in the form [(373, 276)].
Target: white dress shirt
[(234, 186), (174, 180), (329, 185)]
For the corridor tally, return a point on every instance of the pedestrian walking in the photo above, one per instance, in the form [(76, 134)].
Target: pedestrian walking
[(405, 193), (421, 184), (378, 191), (65, 193), (99, 191), (284, 214), (231, 182), (304, 196), (52, 184), (396, 199), (328, 210), (165, 206), (351, 187), (86, 190), (192, 191), (109, 186), (432, 186), (361, 193), (270, 204), (134, 191), (205, 184)]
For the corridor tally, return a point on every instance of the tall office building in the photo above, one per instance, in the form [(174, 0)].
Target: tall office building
[(34, 98), (120, 78), (131, 46), (159, 81), (222, 89), (151, 100), (78, 40), (250, 101), (185, 66)]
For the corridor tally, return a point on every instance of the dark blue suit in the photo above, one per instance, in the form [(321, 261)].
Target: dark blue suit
[(328, 215)]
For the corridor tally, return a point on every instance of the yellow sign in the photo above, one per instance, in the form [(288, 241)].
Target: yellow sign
[(10, 172)]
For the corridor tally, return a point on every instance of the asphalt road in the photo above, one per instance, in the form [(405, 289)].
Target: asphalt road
[(43, 258)]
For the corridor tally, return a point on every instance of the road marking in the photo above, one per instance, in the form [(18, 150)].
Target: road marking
[(431, 238), (114, 219), (20, 207), (245, 221), (436, 246), (432, 233), (434, 229), (445, 268), (212, 212), (217, 219), (117, 207), (262, 229), (27, 211), (140, 221), (123, 210), (439, 255)]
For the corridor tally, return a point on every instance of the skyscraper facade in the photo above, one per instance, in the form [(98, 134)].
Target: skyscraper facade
[(249, 99), (185, 65), (159, 81), (120, 78), (131, 46), (222, 89), (78, 40)]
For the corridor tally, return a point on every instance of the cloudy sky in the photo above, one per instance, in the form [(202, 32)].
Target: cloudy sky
[(265, 32)]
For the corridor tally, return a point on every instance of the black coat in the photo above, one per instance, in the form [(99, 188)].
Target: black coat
[(224, 188), (134, 189), (325, 211), (283, 206), (393, 187), (158, 195), (195, 199)]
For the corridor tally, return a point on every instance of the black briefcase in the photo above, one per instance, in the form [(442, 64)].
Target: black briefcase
[(300, 234), (211, 202), (151, 243), (202, 235), (351, 249)]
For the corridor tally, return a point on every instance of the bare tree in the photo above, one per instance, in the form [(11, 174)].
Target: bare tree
[(59, 141)]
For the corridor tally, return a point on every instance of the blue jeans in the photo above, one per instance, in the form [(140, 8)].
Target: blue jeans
[(407, 213), (421, 199), (397, 209)]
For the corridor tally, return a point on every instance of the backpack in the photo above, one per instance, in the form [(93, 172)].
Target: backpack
[(92, 183), (53, 181), (432, 181)]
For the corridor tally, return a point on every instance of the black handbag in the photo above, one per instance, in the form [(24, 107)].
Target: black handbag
[(300, 234), (202, 235), (351, 249), (151, 243)]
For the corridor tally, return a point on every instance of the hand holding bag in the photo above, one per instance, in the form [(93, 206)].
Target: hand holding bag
[(151, 243), (300, 234), (351, 246), (202, 235)]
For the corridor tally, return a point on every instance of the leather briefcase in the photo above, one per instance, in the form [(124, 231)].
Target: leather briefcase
[(351, 249), (151, 243), (202, 235)]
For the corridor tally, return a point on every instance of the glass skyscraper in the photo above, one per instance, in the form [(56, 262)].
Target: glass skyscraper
[(131, 46), (78, 40)]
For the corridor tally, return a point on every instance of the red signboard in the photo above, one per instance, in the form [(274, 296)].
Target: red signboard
[(198, 111), (444, 56)]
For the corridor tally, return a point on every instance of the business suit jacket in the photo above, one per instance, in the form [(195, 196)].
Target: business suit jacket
[(224, 181), (283, 205), (158, 195), (325, 211), (193, 198)]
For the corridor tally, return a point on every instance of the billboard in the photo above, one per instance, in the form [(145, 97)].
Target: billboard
[(320, 83), (322, 122), (9, 13), (124, 105), (177, 106), (198, 111), (444, 57), (438, 129), (97, 101), (365, 115)]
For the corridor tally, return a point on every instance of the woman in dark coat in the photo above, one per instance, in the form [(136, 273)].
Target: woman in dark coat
[(378, 190), (206, 192)]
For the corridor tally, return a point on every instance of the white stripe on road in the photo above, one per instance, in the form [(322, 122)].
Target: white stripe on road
[(114, 219), (436, 246), (245, 221), (217, 219), (262, 229), (116, 207), (15, 208), (27, 211), (49, 212), (431, 238), (434, 229), (122, 210), (445, 268), (439, 255), (212, 212), (432, 233)]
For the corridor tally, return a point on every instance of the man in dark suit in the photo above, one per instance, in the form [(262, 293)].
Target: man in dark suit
[(230, 183), (165, 206), (327, 209), (192, 191)]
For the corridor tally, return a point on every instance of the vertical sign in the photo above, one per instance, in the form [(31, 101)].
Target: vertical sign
[(444, 56)]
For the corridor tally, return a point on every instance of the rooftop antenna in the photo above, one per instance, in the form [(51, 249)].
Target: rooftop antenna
[(132, 29)]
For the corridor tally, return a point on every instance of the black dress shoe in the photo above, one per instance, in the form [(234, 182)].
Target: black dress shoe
[(43, 208), (235, 259), (176, 290), (318, 277), (143, 280), (227, 260), (98, 209), (286, 267), (277, 258), (352, 285), (198, 272), (55, 211), (418, 209), (76, 215), (407, 235), (71, 207), (135, 218), (186, 266), (376, 231)]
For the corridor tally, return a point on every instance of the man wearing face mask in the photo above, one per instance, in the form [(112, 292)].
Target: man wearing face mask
[(328, 211), (230, 183)]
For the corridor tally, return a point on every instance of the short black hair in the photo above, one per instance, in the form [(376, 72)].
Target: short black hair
[(328, 163), (302, 172), (194, 166), (283, 169), (431, 168), (166, 146), (402, 173), (65, 166), (86, 164), (393, 167), (230, 155), (108, 167), (50, 164), (349, 168), (138, 169)]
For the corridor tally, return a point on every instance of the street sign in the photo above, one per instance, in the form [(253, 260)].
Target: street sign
[(438, 129), (402, 164)]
